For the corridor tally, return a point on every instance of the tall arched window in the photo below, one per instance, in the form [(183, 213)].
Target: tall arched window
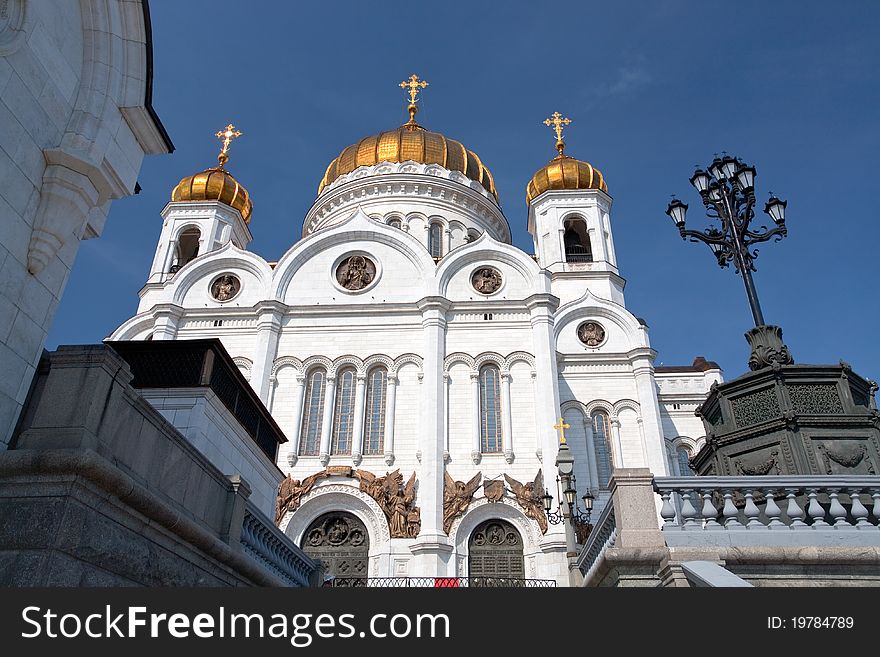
[(186, 249), (684, 466), (602, 445), (374, 412), (490, 409), (343, 412), (313, 413), (395, 223), (577, 242), (435, 244)]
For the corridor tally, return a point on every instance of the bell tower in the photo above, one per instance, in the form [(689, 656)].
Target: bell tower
[(207, 210), (570, 219)]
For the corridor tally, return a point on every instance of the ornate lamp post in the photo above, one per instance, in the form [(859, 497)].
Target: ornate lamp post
[(727, 189)]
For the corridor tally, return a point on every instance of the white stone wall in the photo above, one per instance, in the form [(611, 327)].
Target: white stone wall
[(425, 322), (73, 132)]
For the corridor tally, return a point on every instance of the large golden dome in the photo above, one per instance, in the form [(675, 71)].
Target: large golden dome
[(410, 142), (215, 184), (564, 172)]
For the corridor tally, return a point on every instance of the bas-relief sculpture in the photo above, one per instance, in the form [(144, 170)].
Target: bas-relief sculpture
[(591, 334), (486, 280), (395, 499), (355, 272), (530, 498), (457, 496), (225, 287)]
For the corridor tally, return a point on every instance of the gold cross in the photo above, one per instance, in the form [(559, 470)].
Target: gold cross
[(412, 86), (562, 426), (227, 135), (557, 121)]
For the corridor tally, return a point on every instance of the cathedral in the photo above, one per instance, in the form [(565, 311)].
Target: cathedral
[(424, 370)]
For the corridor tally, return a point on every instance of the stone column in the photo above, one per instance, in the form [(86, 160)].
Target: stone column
[(446, 385), (646, 388), (432, 549), (592, 466), (357, 438), (447, 241), (476, 447), (506, 418), (327, 420), (616, 444), (269, 315), (167, 317), (542, 307), (390, 400), (296, 427)]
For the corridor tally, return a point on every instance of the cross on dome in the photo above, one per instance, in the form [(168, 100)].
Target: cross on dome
[(557, 122), (413, 85), (227, 135)]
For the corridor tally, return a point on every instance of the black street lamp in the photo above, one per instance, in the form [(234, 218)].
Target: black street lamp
[(572, 508), (727, 189)]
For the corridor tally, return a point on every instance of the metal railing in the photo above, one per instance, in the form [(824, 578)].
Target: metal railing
[(578, 253), (272, 549), (770, 510), (439, 582), (601, 538)]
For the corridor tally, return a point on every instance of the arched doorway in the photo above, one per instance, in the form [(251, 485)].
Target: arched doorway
[(340, 541), (495, 551)]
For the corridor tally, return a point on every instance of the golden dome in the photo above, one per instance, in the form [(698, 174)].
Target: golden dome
[(565, 172), (215, 184), (410, 142)]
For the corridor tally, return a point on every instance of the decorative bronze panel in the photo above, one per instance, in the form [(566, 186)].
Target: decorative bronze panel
[(495, 549), (815, 399), (756, 407), (340, 542)]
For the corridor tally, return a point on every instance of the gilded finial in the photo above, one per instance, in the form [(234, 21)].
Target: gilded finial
[(561, 427), (557, 121), (412, 86), (227, 135)]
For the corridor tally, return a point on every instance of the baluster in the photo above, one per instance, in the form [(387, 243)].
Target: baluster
[(817, 513), (876, 510), (837, 511), (710, 513), (772, 511), (667, 512), (688, 512), (794, 512), (752, 512), (859, 512), (729, 511)]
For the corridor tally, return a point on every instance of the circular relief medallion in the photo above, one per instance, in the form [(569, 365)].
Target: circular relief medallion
[(486, 280), (225, 287), (356, 272), (591, 334)]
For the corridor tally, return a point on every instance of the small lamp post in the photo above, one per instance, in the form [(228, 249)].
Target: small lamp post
[(727, 189)]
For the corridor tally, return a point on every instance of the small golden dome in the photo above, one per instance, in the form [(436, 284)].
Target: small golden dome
[(215, 184), (410, 142), (565, 172)]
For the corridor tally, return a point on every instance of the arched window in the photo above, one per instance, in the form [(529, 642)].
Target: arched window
[(490, 409), (343, 413), (577, 242), (313, 413), (684, 467), (374, 412), (435, 244), (602, 445), (187, 248), (472, 235), (395, 223)]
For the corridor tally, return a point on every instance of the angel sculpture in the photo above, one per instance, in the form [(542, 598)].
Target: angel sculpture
[(291, 492), (530, 498), (395, 499), (457, 495)]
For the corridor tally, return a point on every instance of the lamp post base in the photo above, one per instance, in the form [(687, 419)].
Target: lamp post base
[(767, 347)]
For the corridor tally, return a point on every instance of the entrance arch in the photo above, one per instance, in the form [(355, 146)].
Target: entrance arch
[(495, 550), (340, 541)]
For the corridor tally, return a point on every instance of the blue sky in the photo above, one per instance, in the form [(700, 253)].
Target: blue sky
[(653, 88)]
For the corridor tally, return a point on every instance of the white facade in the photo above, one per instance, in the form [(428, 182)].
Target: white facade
[(75, 124), (422, 321)]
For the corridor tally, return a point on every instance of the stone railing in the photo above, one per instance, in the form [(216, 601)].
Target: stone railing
[(601, 538), (272, 549), (770, 510)]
